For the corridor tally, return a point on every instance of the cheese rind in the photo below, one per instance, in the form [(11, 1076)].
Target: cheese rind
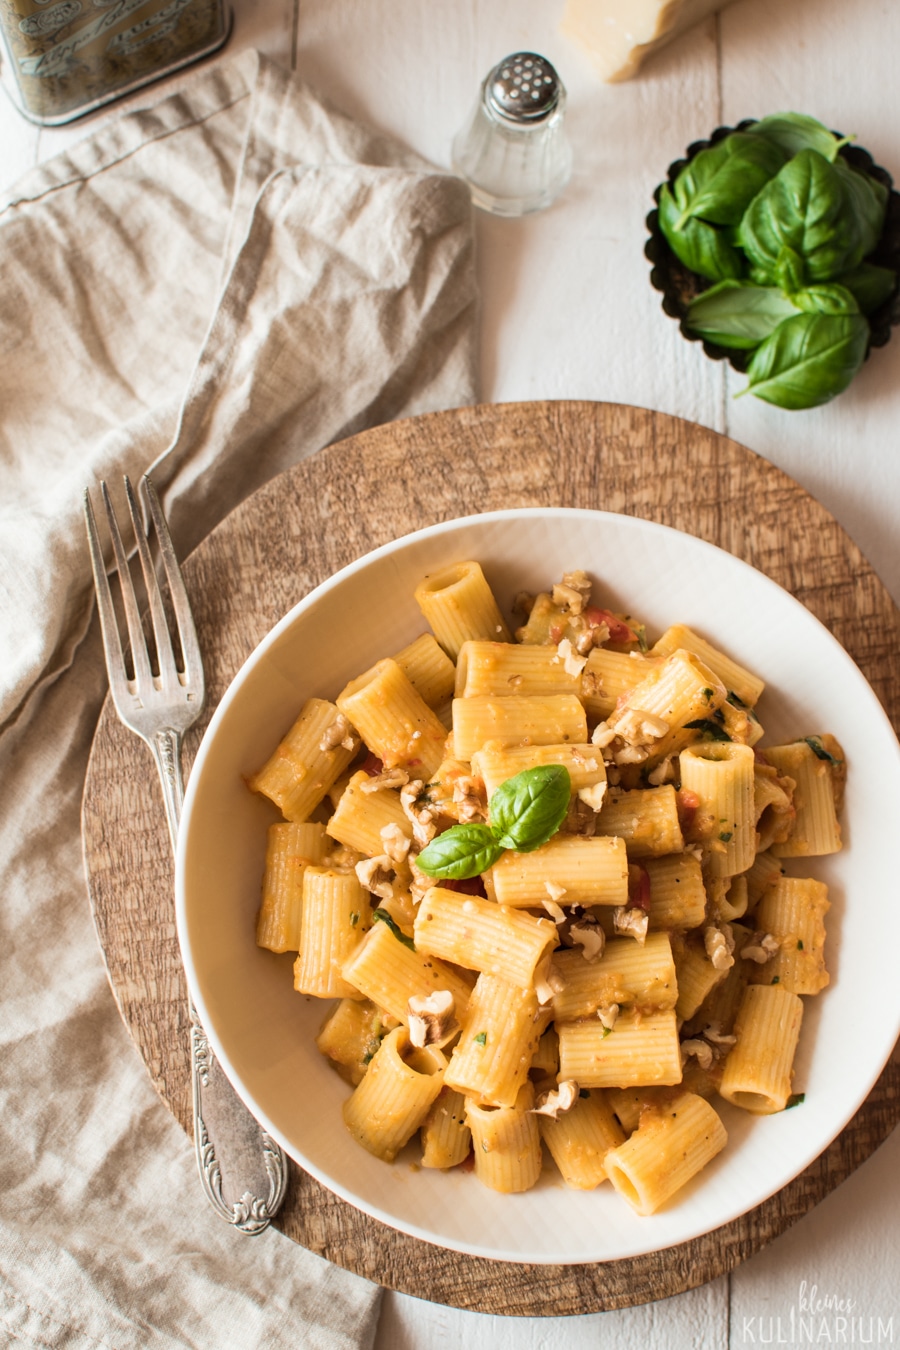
[(618, 35)]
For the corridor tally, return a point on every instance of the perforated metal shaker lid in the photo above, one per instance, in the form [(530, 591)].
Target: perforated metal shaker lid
[(523, 88)]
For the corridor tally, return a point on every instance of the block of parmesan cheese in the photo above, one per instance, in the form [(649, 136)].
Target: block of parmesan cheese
[(618, 34)]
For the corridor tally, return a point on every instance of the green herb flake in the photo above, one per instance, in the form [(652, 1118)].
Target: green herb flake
[(481, 1038), (708, 694), (354, 918), (711, 731), (583, 1092), (726, 836), (383, 917), (799, 944), (777, 979), (607, 1031), (795, 1099), (818, 749)]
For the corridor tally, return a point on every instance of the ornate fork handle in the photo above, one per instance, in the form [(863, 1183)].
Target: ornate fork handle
[(219, 1114)]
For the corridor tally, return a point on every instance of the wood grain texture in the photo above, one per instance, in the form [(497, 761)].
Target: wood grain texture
[(318, 517)]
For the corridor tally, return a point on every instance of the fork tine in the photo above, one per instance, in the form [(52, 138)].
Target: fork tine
[(112, 639), (168, 670), (187, 633), (142, 672)]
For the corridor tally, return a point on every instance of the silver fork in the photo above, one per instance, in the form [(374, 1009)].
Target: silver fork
[(235, 1155)]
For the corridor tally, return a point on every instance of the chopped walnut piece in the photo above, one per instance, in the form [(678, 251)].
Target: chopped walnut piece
[(468, 798), (593, 796), (573, 592), (602, 735), (552, 1103), (700, 1050), (573, 664), (608, 1015), (761, 948), (720, 1041), (631, 922), (587, 934), (343, 858), (388, 778), (547, 981), (396, 844), (557, 914), (555, 891), (420, 882), (376, 875), (664, 771), (341, 732), (431, 1018), (422, 817), (719, 944)]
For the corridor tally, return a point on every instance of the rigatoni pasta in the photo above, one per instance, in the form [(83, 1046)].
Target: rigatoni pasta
[(505, 983)]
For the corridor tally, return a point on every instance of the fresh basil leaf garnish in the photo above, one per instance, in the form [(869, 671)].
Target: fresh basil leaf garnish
[(461, 852), (793, 132), (828, 298), (529, 808), (870, 286), (826, 213), (867, 199), (818, 749), (719, 183), (738, 314), (701, 247), (711, 730), (383, 916), (808, 360)]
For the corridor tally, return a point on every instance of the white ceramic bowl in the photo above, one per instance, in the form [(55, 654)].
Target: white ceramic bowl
[(263, 1032)]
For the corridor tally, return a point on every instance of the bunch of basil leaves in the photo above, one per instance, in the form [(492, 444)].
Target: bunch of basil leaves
[(782, 224)]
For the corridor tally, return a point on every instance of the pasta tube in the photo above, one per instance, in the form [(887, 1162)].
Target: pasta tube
[(395, 1096), (506, 1143), (758, 1071), (673, 1142), (459, 605), (394, 720), (313, 754)]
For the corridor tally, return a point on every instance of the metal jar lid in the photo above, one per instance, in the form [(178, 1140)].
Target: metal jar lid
[(523, 88)]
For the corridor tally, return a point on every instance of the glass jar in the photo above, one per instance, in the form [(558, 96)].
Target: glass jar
[(513, 150)]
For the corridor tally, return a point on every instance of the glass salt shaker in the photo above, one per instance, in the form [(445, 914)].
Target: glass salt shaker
[(513, 150)]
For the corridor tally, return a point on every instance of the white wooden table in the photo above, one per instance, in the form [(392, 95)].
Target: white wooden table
[(568, 313)]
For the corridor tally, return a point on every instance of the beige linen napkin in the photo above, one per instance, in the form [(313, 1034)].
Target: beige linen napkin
[(213, 288)]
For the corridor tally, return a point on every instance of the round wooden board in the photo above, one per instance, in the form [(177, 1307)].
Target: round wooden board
[(313, 520)]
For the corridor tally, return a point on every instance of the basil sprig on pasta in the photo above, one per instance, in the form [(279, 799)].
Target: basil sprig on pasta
[(525, 812)]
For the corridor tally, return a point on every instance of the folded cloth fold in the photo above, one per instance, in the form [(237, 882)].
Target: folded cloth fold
[(211, 289)]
